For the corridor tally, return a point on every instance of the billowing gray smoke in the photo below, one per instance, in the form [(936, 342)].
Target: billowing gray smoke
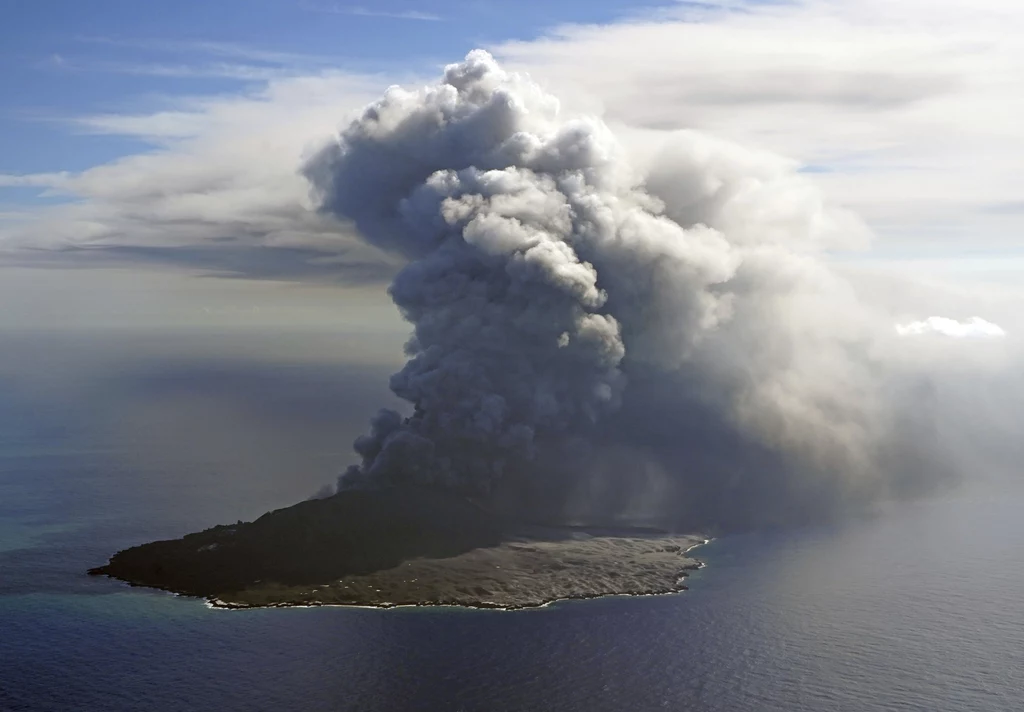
[(595, 337)]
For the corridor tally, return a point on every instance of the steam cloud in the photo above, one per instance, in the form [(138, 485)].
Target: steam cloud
[(595, 336)]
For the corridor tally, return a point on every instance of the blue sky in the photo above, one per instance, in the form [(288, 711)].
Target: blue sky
[(907, 113), (65, 59)]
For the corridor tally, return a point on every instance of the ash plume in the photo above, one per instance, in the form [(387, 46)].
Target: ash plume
[(596, 334)]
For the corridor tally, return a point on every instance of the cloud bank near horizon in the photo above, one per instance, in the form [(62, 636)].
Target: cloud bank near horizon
[(220, 191)]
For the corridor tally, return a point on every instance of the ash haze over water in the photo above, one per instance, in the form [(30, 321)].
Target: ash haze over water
[(652, 334)]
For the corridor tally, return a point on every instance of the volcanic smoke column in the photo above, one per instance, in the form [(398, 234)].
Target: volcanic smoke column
[(552, 287), (491, 199)]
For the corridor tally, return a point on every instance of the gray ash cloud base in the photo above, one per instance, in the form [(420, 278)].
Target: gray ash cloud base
[(595, 336)]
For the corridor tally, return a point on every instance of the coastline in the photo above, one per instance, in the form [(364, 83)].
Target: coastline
[(406, 547), (215, 603)]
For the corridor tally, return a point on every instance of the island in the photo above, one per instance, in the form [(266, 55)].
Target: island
[(406, 547)]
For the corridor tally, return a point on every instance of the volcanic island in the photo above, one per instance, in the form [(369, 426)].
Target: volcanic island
[(406, 546)]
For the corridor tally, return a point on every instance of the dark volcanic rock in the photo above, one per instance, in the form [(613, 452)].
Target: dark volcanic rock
[(351, 533)]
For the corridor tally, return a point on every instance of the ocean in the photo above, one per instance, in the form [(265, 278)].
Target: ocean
[(919, 608)]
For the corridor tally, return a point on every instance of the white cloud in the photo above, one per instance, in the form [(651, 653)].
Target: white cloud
[(973, 328), (183, 70), (905, 112), (909, 111), (360, 11), (195, 48), (220, 179), (33, 180), (191, 59)]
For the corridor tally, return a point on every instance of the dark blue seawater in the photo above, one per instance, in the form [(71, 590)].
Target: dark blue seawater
[(919, 609)]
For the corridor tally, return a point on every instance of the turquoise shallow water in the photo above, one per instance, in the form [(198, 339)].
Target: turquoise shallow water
[(919, 609)]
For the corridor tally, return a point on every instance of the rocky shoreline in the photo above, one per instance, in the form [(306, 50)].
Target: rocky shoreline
[(526, 603), (393, 548)]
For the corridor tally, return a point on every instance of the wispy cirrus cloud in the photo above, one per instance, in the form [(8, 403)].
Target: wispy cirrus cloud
[(207, 70), (361, 11), (212, 48), (34, 180), (188, 59)]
